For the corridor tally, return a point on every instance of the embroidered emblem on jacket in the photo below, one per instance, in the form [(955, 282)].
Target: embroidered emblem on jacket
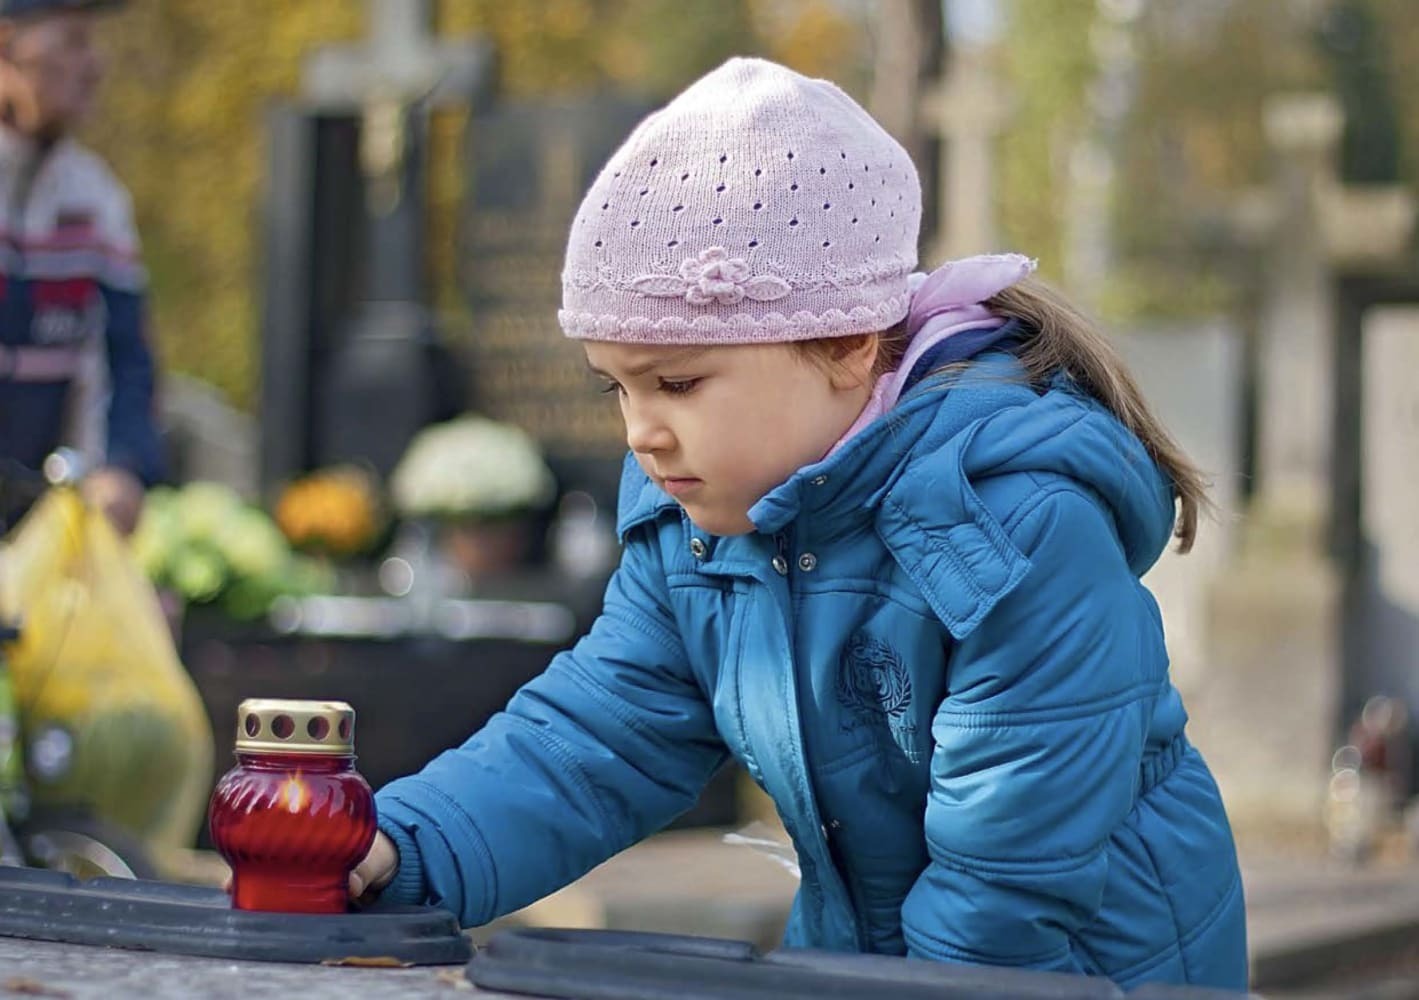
[(876, 690)]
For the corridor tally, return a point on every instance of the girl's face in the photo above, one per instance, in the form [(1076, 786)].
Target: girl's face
[(54, 70), (719, 427)]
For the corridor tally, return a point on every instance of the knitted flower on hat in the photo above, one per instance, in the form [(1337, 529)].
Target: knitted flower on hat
[(758, 206)]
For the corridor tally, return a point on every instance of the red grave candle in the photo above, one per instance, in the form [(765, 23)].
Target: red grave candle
[(294, 817)]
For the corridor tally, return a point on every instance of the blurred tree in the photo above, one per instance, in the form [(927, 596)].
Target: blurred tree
[(1047, 66), (563, 46), (180, 122), (1352, 41), (1399, 28), (816, 37), (1190, 140), (1178, 142)]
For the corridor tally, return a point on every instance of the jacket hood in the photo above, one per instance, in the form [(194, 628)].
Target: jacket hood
[(1064, 434)]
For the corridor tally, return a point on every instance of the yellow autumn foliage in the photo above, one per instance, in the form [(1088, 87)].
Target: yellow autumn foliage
[(180, 122)]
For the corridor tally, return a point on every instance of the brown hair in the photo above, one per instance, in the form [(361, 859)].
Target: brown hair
[(1063, 340)]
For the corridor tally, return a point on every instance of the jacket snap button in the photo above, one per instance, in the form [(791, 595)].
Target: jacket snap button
[(818, 480), (807, 562), (697, 548), (780, 565)]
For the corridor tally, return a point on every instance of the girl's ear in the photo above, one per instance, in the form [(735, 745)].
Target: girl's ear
[(854, 357)]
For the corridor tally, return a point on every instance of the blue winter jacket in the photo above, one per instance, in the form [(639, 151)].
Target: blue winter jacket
[(935, 655)]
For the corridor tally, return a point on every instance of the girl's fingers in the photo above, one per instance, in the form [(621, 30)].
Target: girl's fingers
[(357, 885)]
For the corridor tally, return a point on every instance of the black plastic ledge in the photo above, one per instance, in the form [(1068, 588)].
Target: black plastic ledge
[(192, 920), (620, 965)]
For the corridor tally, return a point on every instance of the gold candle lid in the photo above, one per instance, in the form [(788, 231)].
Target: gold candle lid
[(286, 725)]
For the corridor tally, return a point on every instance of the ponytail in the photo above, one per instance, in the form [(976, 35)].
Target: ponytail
[(1066, 341)]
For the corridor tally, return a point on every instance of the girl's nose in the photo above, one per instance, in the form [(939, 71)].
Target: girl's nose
[(645, 433)]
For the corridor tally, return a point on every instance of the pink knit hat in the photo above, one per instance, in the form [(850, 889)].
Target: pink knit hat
[(757, 206)]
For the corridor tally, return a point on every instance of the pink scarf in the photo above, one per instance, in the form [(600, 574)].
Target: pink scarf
[(944, 303)]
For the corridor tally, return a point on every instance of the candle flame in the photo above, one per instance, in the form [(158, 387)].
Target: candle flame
[(293, 793)]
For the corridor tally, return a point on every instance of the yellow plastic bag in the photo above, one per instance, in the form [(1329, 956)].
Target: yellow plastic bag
[(96, 658)]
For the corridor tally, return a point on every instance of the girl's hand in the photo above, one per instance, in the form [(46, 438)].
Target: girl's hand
[(375, 871), (370, 875)]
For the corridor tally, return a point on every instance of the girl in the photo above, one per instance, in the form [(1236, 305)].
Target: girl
[(883, 537)]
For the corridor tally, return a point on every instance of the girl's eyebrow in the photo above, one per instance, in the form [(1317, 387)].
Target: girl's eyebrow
[(678, 358)]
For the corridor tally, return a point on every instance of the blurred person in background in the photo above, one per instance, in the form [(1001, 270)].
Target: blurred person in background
[(75, 366)]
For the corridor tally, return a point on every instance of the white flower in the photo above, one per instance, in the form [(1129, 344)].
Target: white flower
[(471, 466)]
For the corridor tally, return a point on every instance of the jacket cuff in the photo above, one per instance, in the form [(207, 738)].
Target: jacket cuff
[(149, 468), (407, 886)]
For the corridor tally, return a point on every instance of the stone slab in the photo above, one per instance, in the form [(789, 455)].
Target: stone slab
[(80, 972)]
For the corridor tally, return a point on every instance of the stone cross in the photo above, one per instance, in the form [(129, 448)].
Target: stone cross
[(401, 59), (967, 110), (392, 78), (1308, 226)]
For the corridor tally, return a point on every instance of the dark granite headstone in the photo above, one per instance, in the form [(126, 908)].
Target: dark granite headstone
[(530, 164)]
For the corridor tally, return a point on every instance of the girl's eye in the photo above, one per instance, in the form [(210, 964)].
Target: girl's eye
[(678, 387), (610, 387)]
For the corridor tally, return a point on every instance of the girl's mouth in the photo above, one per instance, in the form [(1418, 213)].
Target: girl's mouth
[(678, 487)]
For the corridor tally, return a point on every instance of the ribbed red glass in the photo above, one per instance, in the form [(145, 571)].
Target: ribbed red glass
[(292, 827)]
